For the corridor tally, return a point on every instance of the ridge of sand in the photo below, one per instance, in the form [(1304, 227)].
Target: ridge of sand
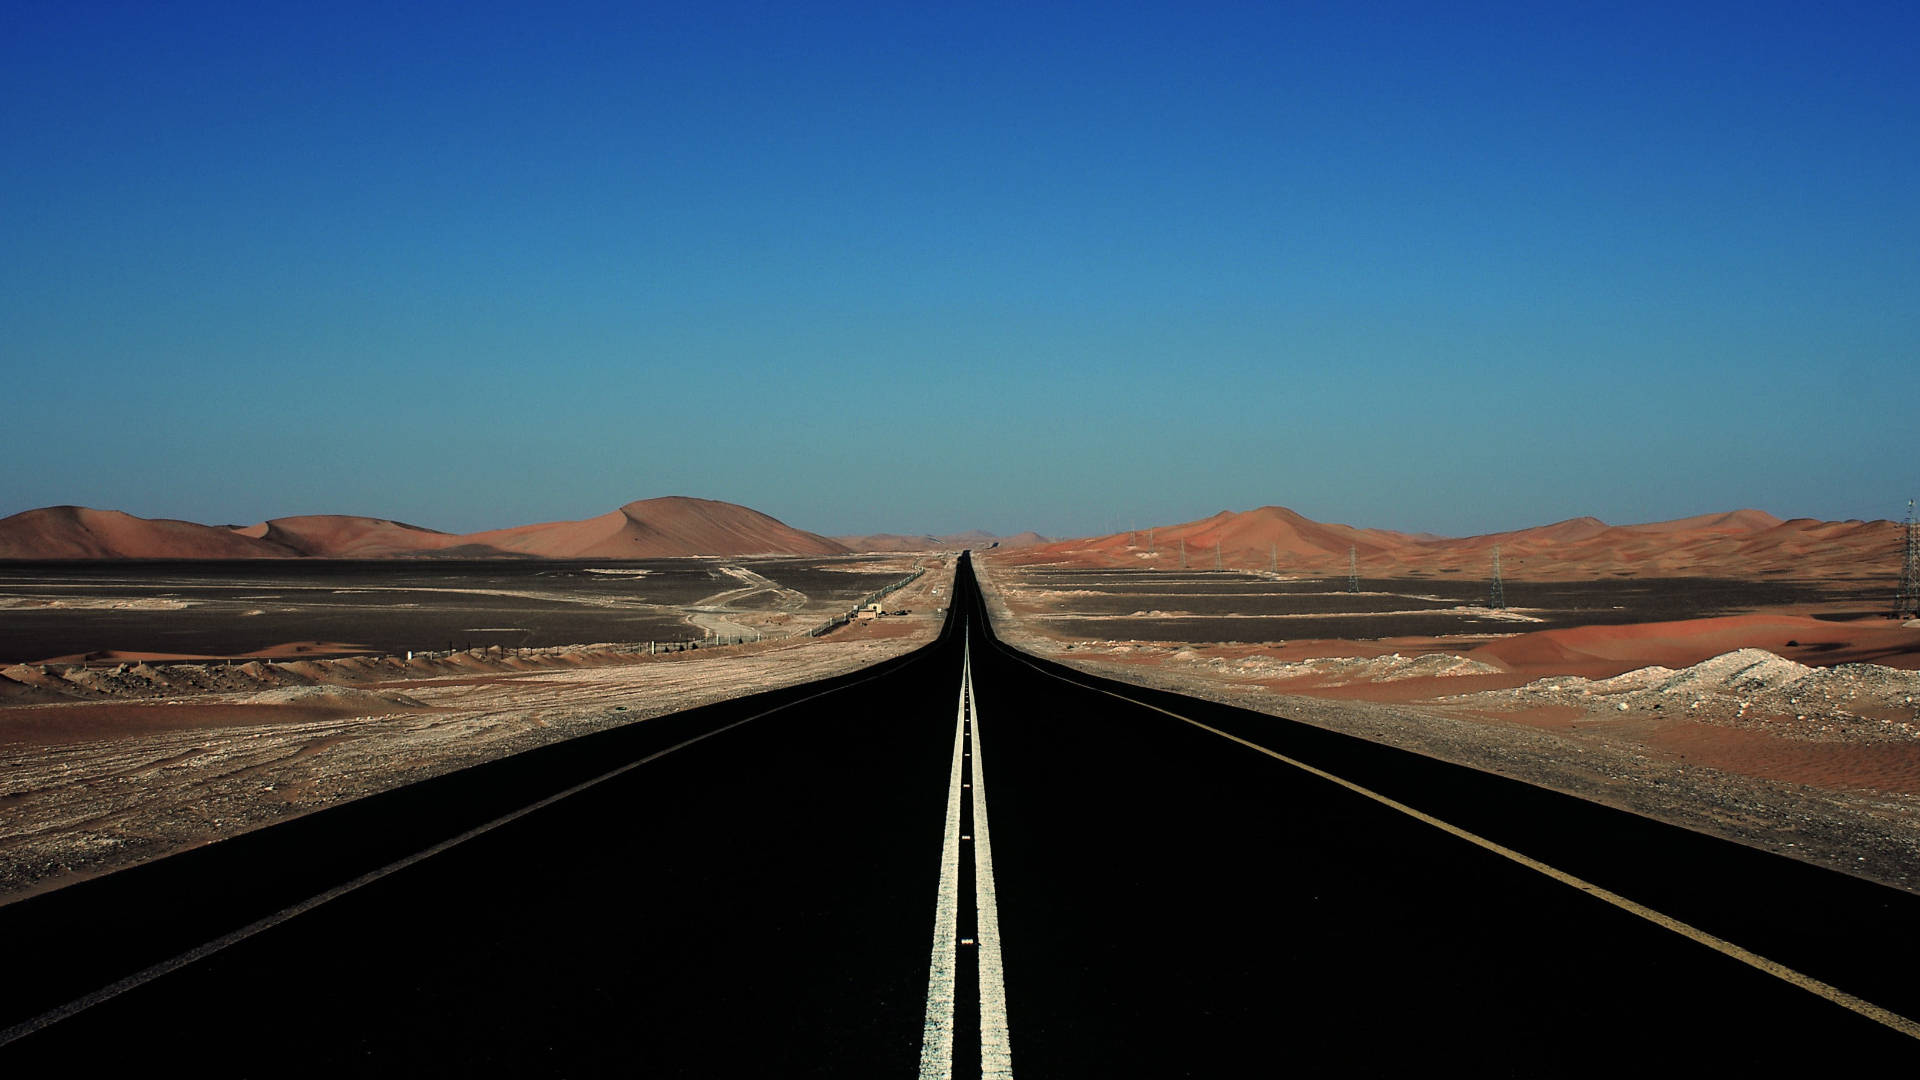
[(78, 532), (648, 528), (1600, 651), (1732, 544), (978, 539), (654, 528), (344, 536)]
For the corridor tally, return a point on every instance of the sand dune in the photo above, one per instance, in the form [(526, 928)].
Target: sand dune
[(341, 536), (649, 528), (977, 539), (76, 532), (1603, 651), (655, 528), (1736, 543)]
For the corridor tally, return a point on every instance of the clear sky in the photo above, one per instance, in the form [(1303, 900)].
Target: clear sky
[(898, 267)]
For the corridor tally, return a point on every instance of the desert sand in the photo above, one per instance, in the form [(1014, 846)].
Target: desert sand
[(1790, 725), (1737, 543), (975, 539), (648, 528), (1778, 728), (107, 765)]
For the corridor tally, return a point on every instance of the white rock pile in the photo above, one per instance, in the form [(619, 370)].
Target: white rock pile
[(1752, 688)]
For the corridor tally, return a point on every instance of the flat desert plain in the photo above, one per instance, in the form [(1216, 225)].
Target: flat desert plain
[(157, 713), (1782, 713), (81, 611)]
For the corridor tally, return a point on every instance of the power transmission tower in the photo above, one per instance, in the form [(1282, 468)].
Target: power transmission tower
[(1498, 601), (1353, 570), (1216, 555), (1906, 602), (1183, 553)]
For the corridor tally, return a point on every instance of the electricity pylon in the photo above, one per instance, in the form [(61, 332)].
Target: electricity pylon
[(1183, 553), (1498, 600), (1906, 601), (1353, 570)]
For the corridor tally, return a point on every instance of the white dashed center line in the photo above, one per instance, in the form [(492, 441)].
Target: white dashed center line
[(937, 1041)]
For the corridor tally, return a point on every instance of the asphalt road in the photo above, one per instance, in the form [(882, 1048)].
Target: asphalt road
[(756, 888)]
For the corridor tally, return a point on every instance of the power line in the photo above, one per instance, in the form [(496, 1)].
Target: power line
[(1498, 600), (1906, 600)]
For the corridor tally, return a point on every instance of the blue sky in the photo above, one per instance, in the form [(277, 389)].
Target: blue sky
[(1072, 268)]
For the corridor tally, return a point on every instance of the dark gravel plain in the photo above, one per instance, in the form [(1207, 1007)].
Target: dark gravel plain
[(1218, 604), (225, 608)]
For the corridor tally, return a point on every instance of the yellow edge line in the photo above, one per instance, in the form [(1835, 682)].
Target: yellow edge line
[(1780, 971)]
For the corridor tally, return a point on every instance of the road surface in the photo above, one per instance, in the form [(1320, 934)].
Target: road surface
[(965, 862)]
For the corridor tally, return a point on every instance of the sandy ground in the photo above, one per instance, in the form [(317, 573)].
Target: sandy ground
[(1697, 722), (1807, 744), (170, 757)]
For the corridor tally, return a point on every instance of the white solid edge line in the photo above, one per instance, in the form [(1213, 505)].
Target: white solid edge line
[(996, 1041), (1863, 1007), (234, 937), (936, 1038)]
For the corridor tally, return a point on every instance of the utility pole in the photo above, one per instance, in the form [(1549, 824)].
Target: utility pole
[(1498, 600), (1906, 601), (1353, 569)]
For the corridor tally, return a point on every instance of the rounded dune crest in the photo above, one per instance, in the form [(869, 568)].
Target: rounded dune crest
[(78, 532)]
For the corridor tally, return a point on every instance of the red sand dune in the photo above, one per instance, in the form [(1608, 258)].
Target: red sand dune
[(653, 528), (1603, 651), (891, 542), (75, 532), (341, 536), (1739, 543), (649, 528), (976, 539)]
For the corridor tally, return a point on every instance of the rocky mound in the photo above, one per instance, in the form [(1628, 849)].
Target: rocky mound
[(1754, 688)]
